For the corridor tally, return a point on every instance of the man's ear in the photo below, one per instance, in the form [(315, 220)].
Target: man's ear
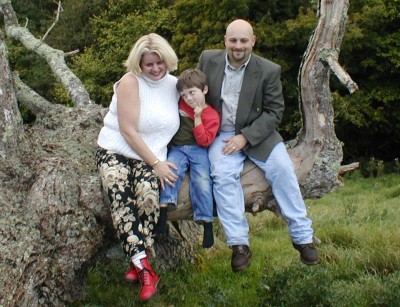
[(205, 90)]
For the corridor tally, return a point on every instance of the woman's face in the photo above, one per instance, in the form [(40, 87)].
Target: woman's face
[(152, 66)]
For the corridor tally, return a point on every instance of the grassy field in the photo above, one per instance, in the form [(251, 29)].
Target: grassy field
[(359, 229)]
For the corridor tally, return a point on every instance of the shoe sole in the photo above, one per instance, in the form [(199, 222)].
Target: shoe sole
[(241, 268), (309, 263)]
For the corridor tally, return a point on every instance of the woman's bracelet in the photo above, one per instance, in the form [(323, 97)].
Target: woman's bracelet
[(155, 163)]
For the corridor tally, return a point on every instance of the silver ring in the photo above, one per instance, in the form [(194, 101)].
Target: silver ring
[(233, 147)]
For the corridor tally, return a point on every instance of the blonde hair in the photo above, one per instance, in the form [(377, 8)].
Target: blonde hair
[(151, 43)]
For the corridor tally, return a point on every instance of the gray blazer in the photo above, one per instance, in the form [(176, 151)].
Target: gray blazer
[(261, 103)]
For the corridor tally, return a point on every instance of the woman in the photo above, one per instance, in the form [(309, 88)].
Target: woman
[(142, 119)]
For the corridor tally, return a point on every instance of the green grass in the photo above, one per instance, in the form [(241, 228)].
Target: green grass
[(359, 229)]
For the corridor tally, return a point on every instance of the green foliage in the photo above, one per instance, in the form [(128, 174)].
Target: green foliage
[(370, 53), (70, 33), (73, 31), (375, 167), (37, 15), (200, 26), (104, 31), (320, 286), (285, 41), (192, 26), (116, 30)]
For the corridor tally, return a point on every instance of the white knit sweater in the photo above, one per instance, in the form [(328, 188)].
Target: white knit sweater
[(158, 119)]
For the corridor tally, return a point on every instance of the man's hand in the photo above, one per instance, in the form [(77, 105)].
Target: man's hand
[(234, 144)]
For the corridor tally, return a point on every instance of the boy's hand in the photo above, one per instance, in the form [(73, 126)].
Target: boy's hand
[(199, 109)]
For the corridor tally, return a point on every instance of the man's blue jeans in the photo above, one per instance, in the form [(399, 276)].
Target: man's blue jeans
[(228, 192), (194, 158)]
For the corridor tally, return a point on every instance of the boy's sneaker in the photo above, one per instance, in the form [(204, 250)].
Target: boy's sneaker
[(308, 253)]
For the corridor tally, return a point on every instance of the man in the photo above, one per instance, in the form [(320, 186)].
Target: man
[(246, 90)]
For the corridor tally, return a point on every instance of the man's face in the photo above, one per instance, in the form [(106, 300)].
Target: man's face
[(239, 42)]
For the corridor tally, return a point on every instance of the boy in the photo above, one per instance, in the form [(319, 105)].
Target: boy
[(199, 124)]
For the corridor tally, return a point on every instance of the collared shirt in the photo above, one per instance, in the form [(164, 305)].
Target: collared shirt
[(231, 86)]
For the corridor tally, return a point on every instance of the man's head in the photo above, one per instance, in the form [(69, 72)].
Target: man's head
[(192, 86), (239, 41)]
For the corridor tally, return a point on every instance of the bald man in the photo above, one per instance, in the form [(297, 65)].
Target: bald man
[(246, 91)]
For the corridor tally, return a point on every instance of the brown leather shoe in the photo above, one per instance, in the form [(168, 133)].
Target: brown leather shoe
[(308, 253), (241, 255)]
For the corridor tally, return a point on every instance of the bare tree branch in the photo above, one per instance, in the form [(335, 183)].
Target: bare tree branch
[(71, 53), (54, 57), (337, 69), (349, 167), (29, 98), (59, 10)]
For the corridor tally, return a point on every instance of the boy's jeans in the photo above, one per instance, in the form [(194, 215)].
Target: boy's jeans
[(194, 158)]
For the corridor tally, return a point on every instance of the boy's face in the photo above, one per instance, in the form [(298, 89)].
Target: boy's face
[(194, 96)]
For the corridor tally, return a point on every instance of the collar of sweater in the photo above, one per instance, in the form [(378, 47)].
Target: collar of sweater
[(154, 83)]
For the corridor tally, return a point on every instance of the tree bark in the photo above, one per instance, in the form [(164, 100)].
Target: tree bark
[(10, 119), (316, 152), (54, 220)]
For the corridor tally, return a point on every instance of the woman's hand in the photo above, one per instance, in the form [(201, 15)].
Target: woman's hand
[(164, 171)]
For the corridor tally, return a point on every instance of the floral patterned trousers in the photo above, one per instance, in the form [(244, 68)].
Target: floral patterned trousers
[(133, 190)]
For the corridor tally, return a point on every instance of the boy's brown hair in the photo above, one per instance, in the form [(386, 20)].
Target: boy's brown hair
[(191, 78)]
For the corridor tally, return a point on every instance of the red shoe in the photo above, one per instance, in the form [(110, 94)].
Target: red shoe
[(131, 275), (148, 280)]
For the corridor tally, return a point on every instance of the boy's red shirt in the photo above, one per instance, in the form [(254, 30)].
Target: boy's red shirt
[(206, 132)]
